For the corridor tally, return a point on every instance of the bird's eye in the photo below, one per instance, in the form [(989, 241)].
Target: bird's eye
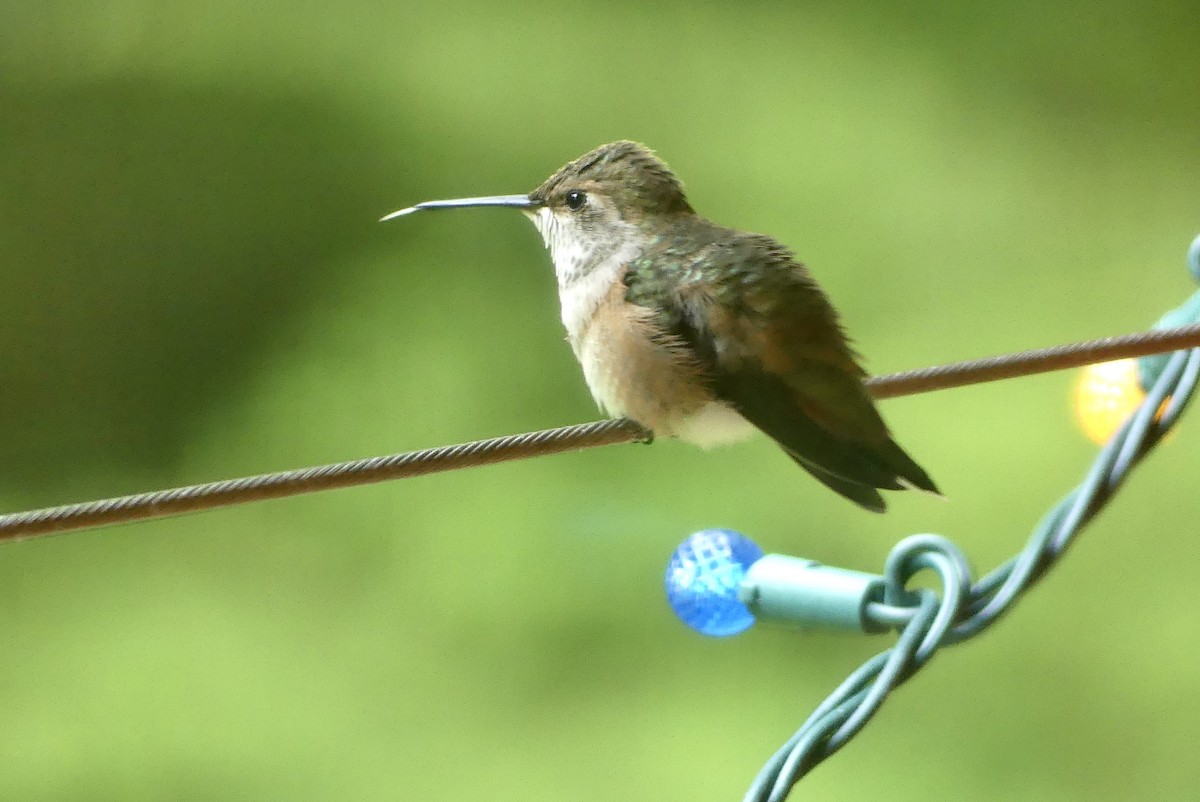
[(575, 199)]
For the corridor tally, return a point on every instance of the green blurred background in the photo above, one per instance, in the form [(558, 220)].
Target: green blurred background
[(192, 286)]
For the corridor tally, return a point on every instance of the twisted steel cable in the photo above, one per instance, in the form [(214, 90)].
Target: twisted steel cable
[(211, 495), (1038, 360)]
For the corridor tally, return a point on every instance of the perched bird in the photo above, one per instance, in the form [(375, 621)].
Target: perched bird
[(703, 332)]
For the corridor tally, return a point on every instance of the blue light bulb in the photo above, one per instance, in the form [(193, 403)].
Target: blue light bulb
[(703, 577)]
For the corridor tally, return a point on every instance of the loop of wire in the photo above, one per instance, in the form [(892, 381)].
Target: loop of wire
[(962, 609)]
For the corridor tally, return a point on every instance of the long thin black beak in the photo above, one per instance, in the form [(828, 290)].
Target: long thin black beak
[(511, 201)]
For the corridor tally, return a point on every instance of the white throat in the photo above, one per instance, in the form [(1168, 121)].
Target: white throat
[(586, 268)]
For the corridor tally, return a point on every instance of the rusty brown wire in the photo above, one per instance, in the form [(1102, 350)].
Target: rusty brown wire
[(210, 495)]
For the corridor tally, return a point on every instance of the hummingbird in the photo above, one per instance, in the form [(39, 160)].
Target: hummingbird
[(702, 332)]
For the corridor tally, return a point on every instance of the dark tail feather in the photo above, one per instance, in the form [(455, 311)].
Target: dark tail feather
[(856, 464), (868, 458), (866, 497), (908, 471)]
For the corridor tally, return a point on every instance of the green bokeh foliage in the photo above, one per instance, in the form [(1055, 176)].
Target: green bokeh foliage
[(192, 287)]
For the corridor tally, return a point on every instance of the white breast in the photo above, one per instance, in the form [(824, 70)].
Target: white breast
[(581, 300), (586, 269), (647, 387)]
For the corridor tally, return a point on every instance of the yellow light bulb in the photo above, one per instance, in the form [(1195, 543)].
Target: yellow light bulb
[(1106, 395)]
